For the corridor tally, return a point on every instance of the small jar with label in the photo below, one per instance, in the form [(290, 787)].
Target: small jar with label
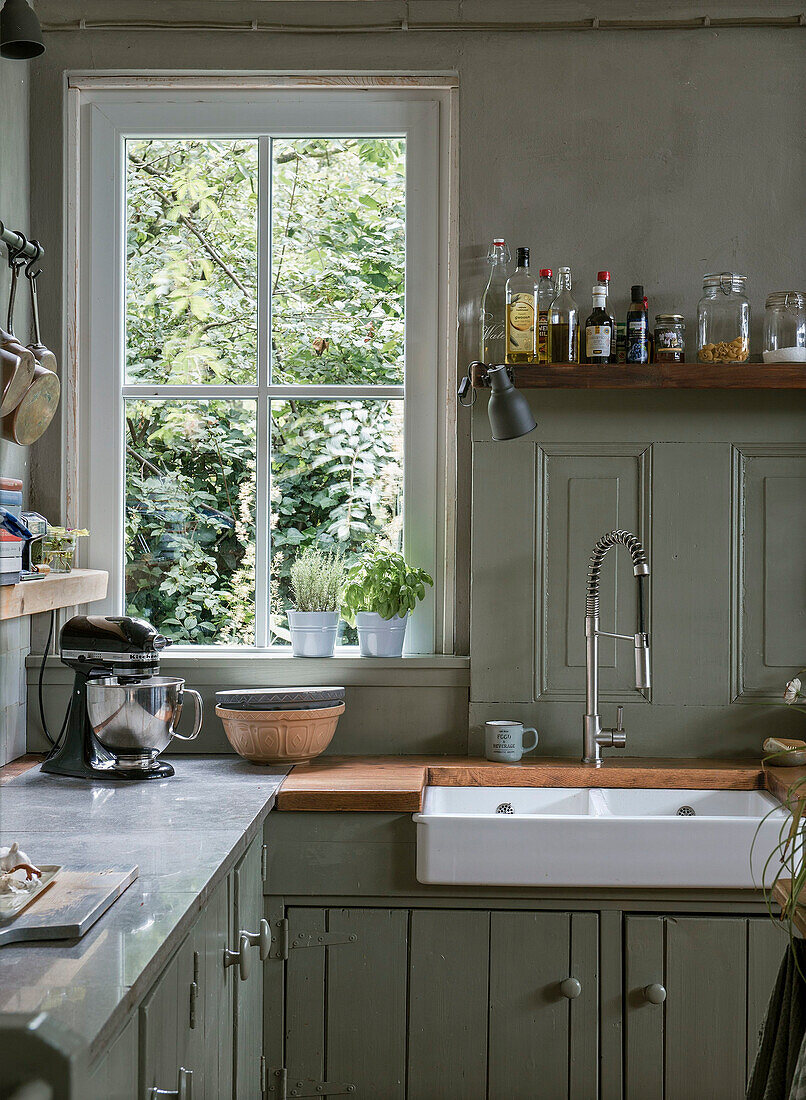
[(785, 327), (723, 319), (670, 338)]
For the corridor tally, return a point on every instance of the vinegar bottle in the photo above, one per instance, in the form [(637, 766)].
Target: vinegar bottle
[(637, 327)]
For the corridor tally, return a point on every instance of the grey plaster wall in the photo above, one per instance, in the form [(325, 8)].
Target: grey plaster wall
[(657, 154), (14, 460)]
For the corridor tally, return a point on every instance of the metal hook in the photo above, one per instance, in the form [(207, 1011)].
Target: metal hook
[(33, 274), (15, 253)]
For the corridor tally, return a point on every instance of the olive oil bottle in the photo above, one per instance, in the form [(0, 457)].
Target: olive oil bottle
[(521, 312), (564, 322)]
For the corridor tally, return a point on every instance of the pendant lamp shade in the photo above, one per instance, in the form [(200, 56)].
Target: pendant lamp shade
[(20, 33), (508, 410)]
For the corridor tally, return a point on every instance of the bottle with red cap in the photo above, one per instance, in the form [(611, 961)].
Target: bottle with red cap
[(603, 279), (546, 293)]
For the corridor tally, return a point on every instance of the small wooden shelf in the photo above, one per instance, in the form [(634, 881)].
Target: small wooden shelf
[(682, 376), (56, 590)]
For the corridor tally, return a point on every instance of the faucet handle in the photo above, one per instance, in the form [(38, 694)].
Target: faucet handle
[(618, 738)]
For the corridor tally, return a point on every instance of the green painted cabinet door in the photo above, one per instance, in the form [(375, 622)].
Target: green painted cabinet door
[(211, 1020), (448, 1004), (422, 1004), (164, 1016), (694, 993), (345, 1002), (248, 991), (544, 998), (114, 1075)]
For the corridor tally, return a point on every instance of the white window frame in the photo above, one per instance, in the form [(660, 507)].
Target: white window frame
[(103, 111)]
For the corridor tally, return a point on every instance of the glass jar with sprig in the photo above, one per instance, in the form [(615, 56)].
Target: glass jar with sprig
[(59, 547)]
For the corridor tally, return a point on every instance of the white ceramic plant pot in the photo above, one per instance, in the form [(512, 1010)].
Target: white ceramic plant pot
[(313, 633), (379, 637)]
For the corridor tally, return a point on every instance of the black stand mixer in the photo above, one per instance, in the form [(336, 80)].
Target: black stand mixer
[(122, 714)]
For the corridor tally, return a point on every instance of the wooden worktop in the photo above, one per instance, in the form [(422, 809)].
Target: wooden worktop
[(395, 784)]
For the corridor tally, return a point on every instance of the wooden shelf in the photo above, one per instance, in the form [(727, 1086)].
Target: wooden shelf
[(56, 590), (682, 376)]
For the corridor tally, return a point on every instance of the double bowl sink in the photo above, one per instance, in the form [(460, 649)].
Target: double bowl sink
[(602, 837)]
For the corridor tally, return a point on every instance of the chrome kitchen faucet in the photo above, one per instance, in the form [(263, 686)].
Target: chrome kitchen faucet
[(594, 736)]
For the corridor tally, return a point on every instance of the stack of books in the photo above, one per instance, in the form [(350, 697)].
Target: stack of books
[(11, 546)]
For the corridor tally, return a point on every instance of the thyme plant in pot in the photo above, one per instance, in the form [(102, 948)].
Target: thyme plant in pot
[(317, 578), (380, 594)]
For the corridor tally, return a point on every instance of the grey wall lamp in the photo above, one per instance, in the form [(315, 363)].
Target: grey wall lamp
[(20, 33), (508, 411)]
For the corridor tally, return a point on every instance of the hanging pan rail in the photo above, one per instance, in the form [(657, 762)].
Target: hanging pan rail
[(32, 250)]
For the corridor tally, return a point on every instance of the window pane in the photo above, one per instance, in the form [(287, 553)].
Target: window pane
[(337, 480), (190, 518), (191, 261), (338, 260)]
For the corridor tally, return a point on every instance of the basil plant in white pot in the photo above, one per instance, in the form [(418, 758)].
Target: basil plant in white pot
[(379, 596), (317, 579)]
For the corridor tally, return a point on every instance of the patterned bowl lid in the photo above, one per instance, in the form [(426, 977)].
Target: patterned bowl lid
[(295, 698)]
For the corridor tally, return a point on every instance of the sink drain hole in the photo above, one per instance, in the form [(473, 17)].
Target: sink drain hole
[(504, 808), (686, 811)]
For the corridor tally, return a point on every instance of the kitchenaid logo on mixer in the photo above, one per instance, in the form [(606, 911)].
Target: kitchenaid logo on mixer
[(96, 655)]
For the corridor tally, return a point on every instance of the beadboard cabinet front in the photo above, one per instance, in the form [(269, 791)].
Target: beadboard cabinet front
[(696, 989), (413, 1004)]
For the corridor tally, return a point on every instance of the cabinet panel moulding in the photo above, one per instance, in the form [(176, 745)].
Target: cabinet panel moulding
[(768, 568), (625, 472)]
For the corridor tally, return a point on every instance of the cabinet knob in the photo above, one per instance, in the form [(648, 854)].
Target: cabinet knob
[(241, 956), (261, 939), (655, 993), (571, 988)]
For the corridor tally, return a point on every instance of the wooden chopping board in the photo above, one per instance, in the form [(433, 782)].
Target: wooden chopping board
[(68, 908)]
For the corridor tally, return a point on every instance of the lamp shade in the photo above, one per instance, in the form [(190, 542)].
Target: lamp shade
[(508, 410), (20, 33)]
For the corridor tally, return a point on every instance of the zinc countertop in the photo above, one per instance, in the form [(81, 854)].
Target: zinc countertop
[(184, 833)]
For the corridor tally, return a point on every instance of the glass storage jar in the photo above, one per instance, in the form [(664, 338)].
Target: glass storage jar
[(670, 338), (723, 319), (785, 327)]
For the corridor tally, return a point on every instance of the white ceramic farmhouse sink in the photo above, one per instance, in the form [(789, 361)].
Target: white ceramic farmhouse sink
[(523, 836)]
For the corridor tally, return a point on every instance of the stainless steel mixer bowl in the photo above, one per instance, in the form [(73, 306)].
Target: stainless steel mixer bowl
[(136, 721)]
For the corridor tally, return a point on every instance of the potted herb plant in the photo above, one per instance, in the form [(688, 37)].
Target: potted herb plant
[(380, 593), (317, 578)]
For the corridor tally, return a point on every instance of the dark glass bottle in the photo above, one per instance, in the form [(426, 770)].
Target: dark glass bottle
[(599, 346), (637, 327)]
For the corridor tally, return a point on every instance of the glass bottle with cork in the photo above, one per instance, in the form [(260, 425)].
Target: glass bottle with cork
[(564, 322), (493, 341), (521, 312)]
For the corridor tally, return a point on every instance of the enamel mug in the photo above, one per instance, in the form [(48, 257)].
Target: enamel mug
[(504, 741)]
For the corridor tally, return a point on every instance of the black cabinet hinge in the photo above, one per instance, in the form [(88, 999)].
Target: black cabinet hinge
[(282, 942), (281, 1086)]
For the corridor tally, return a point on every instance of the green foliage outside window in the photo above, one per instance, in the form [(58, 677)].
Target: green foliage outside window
[(337, 285)]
